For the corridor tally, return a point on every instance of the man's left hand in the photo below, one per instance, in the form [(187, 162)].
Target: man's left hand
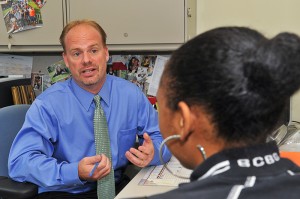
[(142, 156)]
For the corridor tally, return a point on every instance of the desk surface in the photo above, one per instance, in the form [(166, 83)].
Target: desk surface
[(133, 189)]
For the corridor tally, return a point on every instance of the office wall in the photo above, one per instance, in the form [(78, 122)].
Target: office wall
[(295, 107), (41, 62), (268, 16)]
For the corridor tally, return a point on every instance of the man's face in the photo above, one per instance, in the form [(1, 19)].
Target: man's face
[(86, 56)]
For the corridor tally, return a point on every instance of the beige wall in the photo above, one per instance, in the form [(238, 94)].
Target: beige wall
[(268, 16), (295, 107)]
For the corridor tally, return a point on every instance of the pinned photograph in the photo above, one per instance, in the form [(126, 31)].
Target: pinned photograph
[(40, 3), (58, 72), (36, 82), (21, 15), (3, 1), (140, 68)]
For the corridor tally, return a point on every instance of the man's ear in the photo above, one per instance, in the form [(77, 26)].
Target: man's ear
[(185, 120), (65, 59), (106, 53)]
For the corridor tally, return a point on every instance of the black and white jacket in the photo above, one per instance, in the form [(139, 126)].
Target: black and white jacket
[(255, 172)]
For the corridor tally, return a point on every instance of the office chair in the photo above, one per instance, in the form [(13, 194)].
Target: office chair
[(11, 121)]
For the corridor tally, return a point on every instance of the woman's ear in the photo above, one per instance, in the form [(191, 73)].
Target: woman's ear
[(185, 120)]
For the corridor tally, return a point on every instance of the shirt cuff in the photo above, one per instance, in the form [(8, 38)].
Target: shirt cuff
[(166, 155), (69, 173)]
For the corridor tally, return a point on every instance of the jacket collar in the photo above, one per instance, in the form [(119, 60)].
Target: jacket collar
[(258, 159)]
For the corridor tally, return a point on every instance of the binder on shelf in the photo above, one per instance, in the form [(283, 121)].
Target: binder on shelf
[(16, 95), (23, 94), (31, 93)]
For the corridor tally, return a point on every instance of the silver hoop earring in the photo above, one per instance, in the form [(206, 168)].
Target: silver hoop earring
[(161, 159), (202, 151)]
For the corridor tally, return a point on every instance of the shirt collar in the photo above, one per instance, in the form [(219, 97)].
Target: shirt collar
[(86, 98), (106, 90)]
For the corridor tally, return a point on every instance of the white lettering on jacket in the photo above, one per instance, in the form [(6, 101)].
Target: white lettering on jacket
[(259, 161)]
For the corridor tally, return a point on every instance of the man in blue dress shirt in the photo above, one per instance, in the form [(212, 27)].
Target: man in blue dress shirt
[(55, 148)]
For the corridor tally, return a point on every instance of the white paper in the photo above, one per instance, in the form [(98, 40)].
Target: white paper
[(160, 176), (15, 65), (157, 72)]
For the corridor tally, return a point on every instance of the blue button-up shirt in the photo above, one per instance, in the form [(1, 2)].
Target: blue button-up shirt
[(58, 132)]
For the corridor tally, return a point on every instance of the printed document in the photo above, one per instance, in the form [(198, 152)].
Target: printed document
[(159, 175)]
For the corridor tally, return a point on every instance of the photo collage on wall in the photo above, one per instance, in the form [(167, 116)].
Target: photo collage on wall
[(21, 15), (137, 69)]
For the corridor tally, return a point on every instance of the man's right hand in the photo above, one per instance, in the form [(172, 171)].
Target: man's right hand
[(87, 164)]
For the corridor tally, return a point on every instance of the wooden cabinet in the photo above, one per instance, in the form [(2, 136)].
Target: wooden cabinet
[(129, 24)]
